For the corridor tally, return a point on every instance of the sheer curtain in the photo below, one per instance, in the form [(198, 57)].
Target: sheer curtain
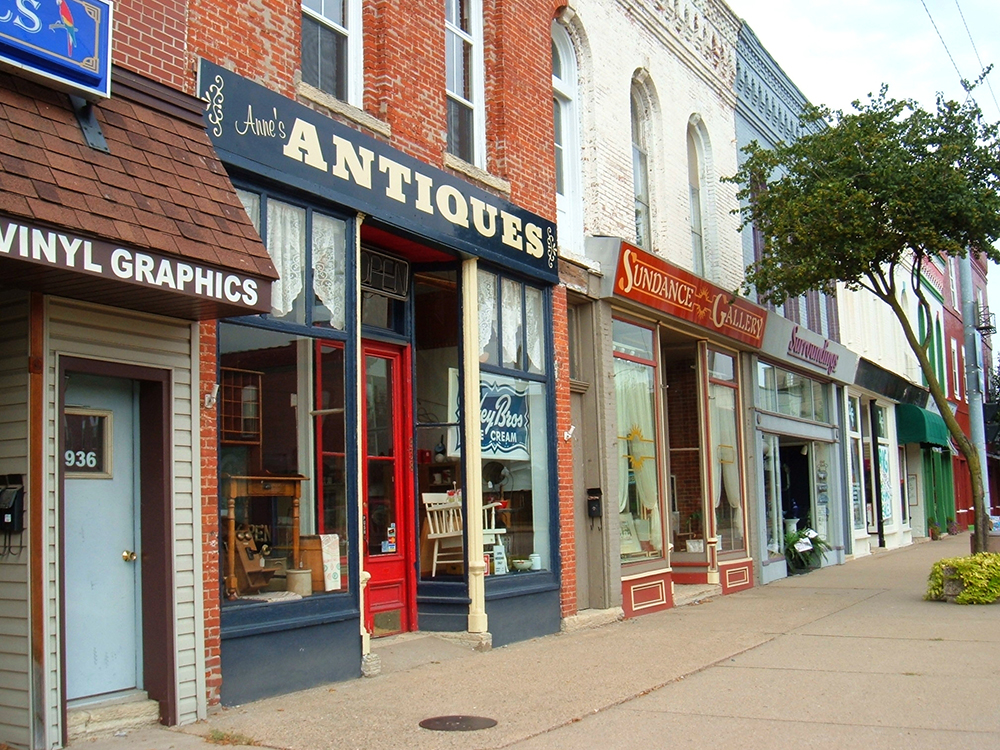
[(637, 441), (511, 304), (286, 243), (329, 263), (725, 466), (487, 313)]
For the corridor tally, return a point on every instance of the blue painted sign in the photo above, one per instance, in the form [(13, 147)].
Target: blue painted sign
[(65, 43), (503, 413), (264, 132)]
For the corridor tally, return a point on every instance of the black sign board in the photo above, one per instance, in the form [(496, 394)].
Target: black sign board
[(265, 133)]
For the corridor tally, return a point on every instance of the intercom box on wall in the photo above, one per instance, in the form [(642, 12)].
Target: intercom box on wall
[(594, 495)]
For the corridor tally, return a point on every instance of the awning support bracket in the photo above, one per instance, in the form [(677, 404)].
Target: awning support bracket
[(91, 128)]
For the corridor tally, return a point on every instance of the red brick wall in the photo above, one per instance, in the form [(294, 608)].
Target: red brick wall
[(259, 39), (567, 532), (208, 365), (149, 37)]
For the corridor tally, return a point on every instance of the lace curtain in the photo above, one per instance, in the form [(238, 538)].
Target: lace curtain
[(637, 441), (725, 467), (511, 301), (286, 244), (487, 312), (329, 266), (536, 335)]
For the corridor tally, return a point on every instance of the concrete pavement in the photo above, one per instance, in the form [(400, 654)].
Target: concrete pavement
[(849, 656)]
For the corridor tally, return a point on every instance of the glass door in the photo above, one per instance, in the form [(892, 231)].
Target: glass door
[(387, 490)]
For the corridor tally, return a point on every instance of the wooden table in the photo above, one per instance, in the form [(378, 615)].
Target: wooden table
[(255, 487)]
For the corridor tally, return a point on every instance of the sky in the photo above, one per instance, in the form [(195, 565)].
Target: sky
[(836, 52)]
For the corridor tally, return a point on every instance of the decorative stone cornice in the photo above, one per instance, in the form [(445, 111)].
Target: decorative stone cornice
[(706, 29)]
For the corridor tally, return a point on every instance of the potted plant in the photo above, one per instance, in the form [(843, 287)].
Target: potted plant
[(933, 530), (804, 550)]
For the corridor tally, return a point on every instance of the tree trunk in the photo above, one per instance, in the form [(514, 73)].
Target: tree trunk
[(964, 444)]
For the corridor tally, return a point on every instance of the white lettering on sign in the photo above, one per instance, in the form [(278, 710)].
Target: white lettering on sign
[(56, 249), (25, 17)]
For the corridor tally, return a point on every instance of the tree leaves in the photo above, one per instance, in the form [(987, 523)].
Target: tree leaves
[(849, 201)]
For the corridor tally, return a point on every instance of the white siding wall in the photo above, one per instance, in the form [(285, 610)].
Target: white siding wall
[(83, 330), (688, 52), (15, 649)]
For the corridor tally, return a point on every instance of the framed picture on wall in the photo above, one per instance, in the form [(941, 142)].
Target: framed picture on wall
[(911, 490)]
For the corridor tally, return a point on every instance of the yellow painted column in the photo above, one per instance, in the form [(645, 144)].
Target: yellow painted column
[(472, 491)]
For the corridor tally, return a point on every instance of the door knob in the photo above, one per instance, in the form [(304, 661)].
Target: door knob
[(128, 556)]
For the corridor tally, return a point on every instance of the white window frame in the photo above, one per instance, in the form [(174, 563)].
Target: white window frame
[(569, 203), (639, 122), (475, 39), (696, 199), (355, 47), (956, 371)]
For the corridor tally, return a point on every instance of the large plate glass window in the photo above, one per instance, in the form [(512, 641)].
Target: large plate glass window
[(514, 416), (437, 332), (724, 451), (294, 386), (640, 501)]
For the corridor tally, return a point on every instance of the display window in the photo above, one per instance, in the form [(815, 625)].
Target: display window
[(282, 465), (283, 449), (856, 449), (640, 501), (514, 408), (724, 452)]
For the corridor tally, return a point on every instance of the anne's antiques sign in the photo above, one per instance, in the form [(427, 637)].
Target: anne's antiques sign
[(64, 43), (259, 130), (647, 279)]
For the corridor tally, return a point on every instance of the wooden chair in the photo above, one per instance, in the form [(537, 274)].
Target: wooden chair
[(491, 532), (444, 527)]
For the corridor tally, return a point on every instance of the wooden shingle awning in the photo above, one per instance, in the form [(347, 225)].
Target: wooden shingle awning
[(154, 225)]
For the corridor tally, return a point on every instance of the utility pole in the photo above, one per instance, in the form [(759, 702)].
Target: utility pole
[(973, 369)]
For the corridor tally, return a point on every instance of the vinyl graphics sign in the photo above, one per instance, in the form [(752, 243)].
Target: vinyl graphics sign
[(259, 130), (65, 43)]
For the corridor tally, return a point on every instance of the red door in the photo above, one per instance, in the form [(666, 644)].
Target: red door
[(387, 490)]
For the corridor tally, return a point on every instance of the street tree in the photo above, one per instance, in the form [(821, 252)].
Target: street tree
[(882, 188)]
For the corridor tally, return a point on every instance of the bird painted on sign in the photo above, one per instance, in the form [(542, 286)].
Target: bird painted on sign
[(66, 22)]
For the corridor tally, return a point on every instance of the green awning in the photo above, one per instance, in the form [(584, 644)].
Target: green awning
[(916, 425)]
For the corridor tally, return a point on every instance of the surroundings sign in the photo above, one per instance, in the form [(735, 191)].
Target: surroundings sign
[(64, 43)]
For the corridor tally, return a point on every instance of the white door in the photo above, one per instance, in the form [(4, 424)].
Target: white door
[(101, 563)]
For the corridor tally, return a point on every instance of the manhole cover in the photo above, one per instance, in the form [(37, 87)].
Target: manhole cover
[(458, 723)]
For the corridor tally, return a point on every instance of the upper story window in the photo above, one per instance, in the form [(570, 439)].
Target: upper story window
[(464, 80), (565, 116), (695, 181), (331, 48), (640, 168)]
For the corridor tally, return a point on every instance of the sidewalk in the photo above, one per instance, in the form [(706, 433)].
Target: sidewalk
[(849, 655)]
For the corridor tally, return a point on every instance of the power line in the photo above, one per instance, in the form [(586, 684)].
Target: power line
[(974, 49), (948, 51)]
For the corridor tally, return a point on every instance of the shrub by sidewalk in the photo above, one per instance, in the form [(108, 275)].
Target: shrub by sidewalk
[(965, 580)]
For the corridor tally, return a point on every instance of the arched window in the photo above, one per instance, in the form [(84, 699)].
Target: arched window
[(695, 181), (565, 115), (640, 167)]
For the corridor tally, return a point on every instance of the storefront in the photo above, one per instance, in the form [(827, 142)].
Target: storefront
[(113, 216), (799, 469), (880, 467), (675, 500), (925, 454), (386, 461)]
